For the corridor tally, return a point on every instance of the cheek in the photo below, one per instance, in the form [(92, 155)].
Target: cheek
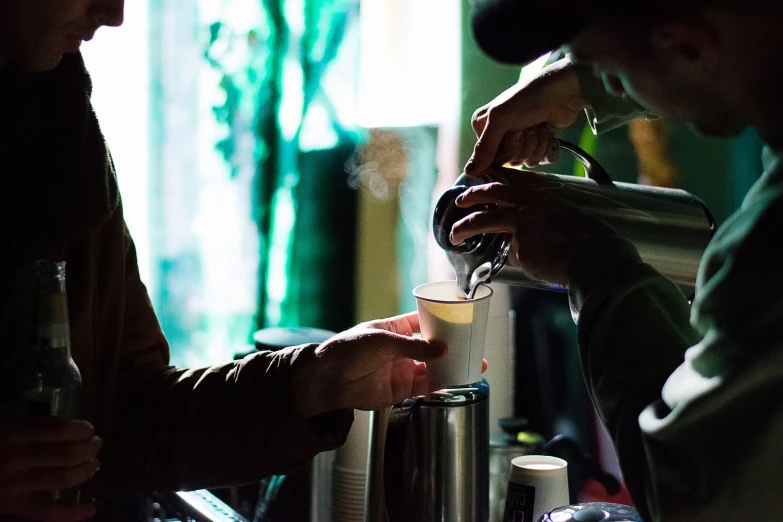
[(34, 21), (648, 92), (54, 16)]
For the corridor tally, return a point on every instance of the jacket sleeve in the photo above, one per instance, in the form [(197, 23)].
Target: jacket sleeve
[(179, 429), (633, 332), (694, 411)]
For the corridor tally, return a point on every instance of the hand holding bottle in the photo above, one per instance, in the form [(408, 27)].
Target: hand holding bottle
[(39, 454)]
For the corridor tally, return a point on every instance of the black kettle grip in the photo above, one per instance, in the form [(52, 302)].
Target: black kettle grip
[(593, 169), (394, 462)]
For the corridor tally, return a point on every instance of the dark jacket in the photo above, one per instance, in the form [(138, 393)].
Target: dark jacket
[(164, 428)]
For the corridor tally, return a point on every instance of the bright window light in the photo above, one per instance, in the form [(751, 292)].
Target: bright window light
[(409, 62), (118, 64)]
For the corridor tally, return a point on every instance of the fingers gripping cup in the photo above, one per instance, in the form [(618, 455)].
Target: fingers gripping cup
[(537, 484), (460, 323)]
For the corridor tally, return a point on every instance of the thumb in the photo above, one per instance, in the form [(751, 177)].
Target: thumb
[(487, 146), (411, 347)]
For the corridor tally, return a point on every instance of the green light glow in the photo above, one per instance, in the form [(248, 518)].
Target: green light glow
[(283, 222)]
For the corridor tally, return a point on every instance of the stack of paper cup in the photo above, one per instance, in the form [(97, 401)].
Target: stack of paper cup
[(321, 487), (349, 474), (348, 497)]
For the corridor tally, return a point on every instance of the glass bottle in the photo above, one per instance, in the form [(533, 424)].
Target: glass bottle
[(53, 383)]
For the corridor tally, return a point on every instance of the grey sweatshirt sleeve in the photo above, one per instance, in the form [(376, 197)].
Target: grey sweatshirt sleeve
[(693, 406)]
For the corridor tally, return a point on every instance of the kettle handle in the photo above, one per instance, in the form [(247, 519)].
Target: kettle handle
[(394, 461), (593, 169)]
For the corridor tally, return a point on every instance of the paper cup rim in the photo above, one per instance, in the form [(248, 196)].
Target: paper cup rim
[(456, 301), (519, 463)]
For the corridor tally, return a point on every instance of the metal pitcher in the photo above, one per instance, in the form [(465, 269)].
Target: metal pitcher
[(429, 458), (669, 227)]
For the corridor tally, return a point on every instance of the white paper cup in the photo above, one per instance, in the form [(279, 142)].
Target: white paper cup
[(462, 325), (537, 484)]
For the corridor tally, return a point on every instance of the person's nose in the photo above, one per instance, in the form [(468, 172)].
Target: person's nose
[(109, 12)]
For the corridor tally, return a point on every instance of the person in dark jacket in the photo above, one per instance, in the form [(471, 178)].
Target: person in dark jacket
[(146, 425)]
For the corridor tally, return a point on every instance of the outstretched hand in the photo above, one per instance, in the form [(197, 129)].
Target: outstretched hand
[(373, 365)]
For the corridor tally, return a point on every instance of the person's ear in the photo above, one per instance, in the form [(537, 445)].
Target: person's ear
[(686, 43)]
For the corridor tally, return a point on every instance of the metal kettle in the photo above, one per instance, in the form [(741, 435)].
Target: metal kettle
[(669, 227), (429, 458)]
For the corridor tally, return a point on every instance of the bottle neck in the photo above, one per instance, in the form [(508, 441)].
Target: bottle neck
[(50, 277), (53, 330)]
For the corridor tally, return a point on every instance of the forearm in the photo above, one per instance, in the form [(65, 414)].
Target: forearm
[(227, 424)]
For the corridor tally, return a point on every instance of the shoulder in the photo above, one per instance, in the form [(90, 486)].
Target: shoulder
[(740, 279)]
